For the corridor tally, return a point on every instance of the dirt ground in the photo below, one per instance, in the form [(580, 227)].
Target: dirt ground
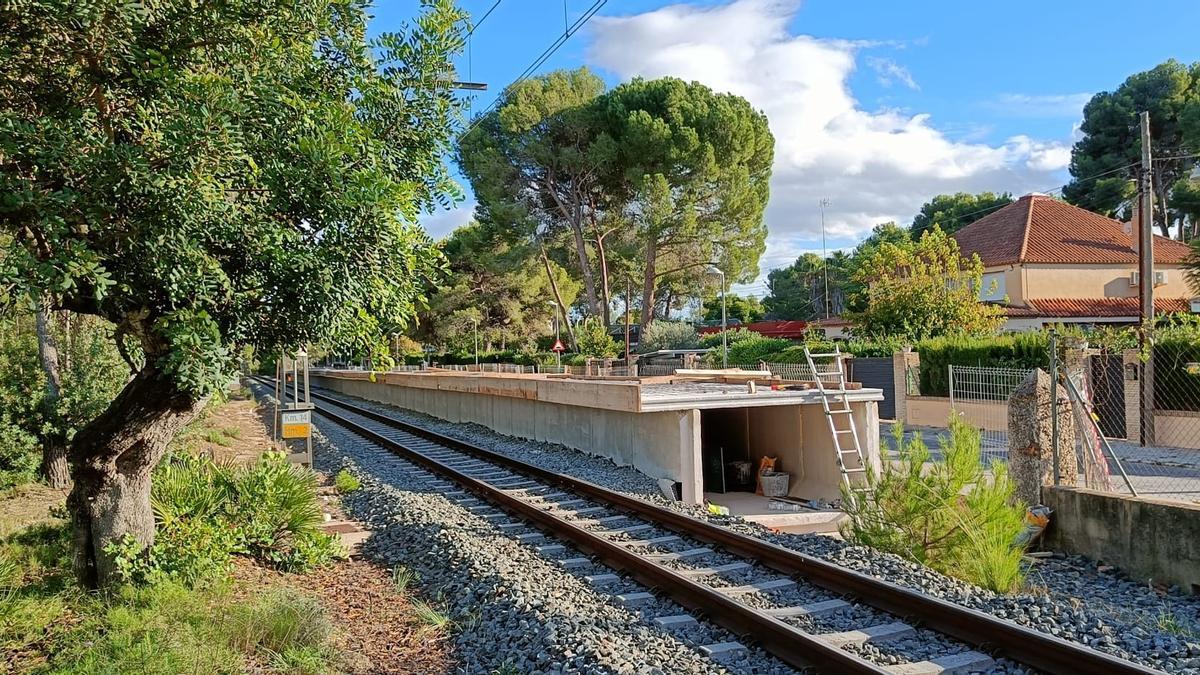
[(378, 628)]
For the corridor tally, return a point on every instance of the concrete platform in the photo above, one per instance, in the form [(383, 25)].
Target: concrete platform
[(668, 427), (755, 508)]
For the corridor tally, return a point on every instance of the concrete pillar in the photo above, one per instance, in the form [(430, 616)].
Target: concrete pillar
[(1130, 358), (902, 362), (691, 466), (1030, 450)]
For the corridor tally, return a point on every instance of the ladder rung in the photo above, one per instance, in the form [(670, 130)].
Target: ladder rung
[(843, 431), (825, 355), (858, 470), (838, 412), (849, 452)]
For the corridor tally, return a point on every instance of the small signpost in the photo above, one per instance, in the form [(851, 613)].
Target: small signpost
[(558, 347), (293, 419)]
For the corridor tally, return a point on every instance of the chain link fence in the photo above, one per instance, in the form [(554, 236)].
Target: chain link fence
[(979, 395)]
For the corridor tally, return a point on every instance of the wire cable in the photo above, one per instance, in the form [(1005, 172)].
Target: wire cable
[(543, 57)]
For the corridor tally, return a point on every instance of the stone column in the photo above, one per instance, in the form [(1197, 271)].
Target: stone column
[(902, 361), (1030, 453), (1133, 395)]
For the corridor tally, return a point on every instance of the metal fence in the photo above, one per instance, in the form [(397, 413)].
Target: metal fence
[(1136, 420), (1149, 410), (979, 395)]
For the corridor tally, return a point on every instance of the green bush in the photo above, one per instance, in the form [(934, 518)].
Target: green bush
[(1176, 377), (732, 336), (594, 340), (346, 482), (206, 512), (749, 352), (19, 455), (1014, 350), (947, 515), (668, 335)]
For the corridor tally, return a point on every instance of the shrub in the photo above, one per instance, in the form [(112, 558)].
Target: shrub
[(1015, 350), (732, 336), (949, 516), (750, 351), (594, 340), (206, 512), (668, 335), (345, 482), (19, 455)]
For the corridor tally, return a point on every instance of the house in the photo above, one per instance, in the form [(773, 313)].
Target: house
[(789, 330), (1048, 262)]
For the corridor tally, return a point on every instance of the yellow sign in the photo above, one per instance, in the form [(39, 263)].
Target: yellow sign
[(295, 423)]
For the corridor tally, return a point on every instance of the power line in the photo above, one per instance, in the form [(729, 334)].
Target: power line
[(544, 56), (483, 18)]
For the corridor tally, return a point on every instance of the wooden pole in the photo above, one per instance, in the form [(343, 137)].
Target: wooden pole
[(628, 291), (1146, 284)]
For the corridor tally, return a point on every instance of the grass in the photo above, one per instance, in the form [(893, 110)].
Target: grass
[(217, 437), (429, 615), (1168, 621), (346, 482), (403, 577), (47, 624)]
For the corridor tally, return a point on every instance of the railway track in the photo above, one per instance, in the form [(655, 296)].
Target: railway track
[(776, 597)]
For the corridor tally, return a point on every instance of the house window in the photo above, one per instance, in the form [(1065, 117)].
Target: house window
[(992, 287)]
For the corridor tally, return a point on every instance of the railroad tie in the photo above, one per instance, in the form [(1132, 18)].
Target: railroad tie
[(679, 555), (814, 609), (772, 585), (572, 563), (649, 542), (635, 599), (601, 579), (675, 621), (723, 651), (963, 662), (624, 530), (880, 633), (590, 522), (709, 571)]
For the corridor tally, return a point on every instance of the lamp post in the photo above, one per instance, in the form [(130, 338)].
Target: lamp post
[(476, 325), (557, 354), (714, 271)]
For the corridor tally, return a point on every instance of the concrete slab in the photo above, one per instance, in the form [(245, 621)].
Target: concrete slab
[(756, 509), (963, 662), (880, 633)]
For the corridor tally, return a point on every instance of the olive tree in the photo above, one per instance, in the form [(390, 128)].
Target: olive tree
[(210, 176)]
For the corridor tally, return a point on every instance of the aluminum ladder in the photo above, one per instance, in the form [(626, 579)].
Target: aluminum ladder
[(836, 403)]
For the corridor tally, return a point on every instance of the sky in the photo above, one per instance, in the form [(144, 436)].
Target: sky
[(876, 106)]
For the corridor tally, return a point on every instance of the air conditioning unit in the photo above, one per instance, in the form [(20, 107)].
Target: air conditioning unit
[(1160, 278), (1195, 305)]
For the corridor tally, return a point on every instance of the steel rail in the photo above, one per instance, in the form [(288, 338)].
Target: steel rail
[(1027, 646), (791, 645)]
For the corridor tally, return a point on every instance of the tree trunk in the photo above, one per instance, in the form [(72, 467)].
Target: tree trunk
[(585, 269), (649, 280), (607, 294), (113, 457), (54, 452), (562, 311)]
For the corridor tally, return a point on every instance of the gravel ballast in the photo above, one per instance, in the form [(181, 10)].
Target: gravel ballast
[(1069, 596)]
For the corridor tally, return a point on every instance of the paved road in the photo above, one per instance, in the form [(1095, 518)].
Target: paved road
[(1158, 472)]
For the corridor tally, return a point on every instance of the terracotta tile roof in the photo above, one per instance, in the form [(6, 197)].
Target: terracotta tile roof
[(1099, 307), (1041, 229)]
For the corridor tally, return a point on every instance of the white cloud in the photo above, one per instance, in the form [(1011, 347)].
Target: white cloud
[(1040, 105), (888, 71), (441, 223), (874, 166)]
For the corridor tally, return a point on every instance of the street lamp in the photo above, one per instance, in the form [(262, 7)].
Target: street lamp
[(476, 322), (714, 271), (557, 354)]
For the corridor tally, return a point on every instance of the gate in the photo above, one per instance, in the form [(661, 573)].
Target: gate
[(1108, 393), (876, 372)]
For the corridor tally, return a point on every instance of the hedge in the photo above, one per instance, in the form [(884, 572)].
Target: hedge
[(1176, 386), (1014, 350)]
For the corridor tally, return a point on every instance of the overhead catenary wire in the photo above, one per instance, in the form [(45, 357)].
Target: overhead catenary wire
[(543, 57)]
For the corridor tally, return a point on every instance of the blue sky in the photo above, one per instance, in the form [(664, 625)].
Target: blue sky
[(875, 105)]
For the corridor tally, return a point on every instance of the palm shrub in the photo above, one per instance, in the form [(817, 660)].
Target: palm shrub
[(945, 513), (668, 335)]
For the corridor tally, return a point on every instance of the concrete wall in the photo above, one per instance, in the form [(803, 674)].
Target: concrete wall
[(660, 444), (1149, 540), (934, 411)]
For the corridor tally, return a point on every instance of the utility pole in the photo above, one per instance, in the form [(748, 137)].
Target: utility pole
[(628, 291), (825, 254), (1146, 284)]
